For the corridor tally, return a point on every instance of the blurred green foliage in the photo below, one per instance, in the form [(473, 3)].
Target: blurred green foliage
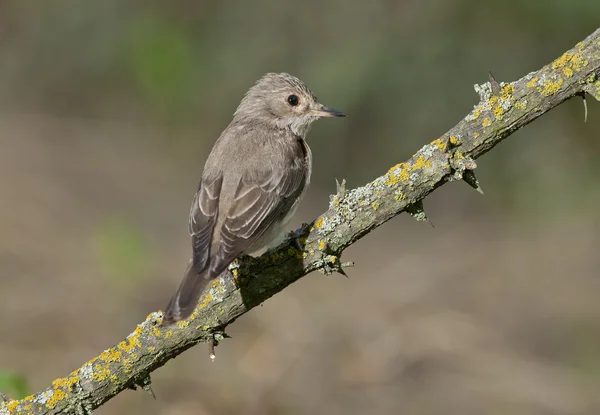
[(14, 385), (402, 70), (162, 62), (123, 251)]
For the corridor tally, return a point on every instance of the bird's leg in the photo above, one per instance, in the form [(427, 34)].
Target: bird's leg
[(297, 235), (231, 274)]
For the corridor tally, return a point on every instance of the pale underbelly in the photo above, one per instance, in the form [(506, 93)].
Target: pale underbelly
[(272, 237)]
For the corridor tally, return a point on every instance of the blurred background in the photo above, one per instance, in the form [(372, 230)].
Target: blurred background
[(108, 110)]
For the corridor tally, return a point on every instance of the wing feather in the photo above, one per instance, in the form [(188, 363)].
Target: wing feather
[(260, 202), (203, 216)]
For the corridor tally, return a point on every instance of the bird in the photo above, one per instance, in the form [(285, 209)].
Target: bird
[(256, 173)]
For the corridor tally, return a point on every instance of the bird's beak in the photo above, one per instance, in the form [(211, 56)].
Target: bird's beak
[(324, 112)]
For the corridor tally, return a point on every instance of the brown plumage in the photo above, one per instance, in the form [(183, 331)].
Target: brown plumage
[(253, 179)]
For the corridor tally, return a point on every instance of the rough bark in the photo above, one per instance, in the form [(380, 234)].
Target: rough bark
[(503, 108)]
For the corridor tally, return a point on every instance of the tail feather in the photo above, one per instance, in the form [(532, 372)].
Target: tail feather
[(185, 300)]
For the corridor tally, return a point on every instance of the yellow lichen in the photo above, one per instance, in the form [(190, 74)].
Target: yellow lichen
[(391, 178), (321, 244), (206, 300), (486, 122), (319, 223), (100, 373), (507, 91), (520, 105), (12, 405), (440, 144), (475, 134), (65, 383), (532, 83), (182, 323), (475, 143), (375, 205), (56, 397), (454, 140), (476, 113), (562, 61), (498, 112), (578, 62), (552, 87), (193, 316), (568, 72), (110, 355), (420, 164), (569, 62), (399, 196), (396, 167), (169, 334), (132, 341), (127, 363), (332, 259)]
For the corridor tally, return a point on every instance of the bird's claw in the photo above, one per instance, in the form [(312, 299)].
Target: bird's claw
[(297, 235)]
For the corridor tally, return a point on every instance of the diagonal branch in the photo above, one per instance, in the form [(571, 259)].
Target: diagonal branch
[(503, 109)]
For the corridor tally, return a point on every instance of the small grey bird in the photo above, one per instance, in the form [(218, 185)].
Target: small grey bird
[(253, 179)]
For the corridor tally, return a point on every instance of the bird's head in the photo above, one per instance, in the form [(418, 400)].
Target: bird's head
[(285, 102)]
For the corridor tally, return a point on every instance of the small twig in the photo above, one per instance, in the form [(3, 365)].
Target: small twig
[(494, 84), (211, 349)]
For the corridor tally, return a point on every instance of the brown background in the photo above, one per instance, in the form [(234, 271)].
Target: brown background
[(108, 110)]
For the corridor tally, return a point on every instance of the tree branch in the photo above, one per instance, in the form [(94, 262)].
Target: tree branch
[(503, 109)]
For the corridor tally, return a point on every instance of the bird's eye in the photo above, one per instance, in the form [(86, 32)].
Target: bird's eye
[(293, 100)]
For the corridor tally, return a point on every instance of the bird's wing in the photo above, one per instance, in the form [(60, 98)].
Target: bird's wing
[(260, 201), (203, 216)]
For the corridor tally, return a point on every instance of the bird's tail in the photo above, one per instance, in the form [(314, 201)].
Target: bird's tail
[(185, 300)]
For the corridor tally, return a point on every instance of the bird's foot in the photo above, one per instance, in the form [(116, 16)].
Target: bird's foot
[(298, 237), (231, 276)]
